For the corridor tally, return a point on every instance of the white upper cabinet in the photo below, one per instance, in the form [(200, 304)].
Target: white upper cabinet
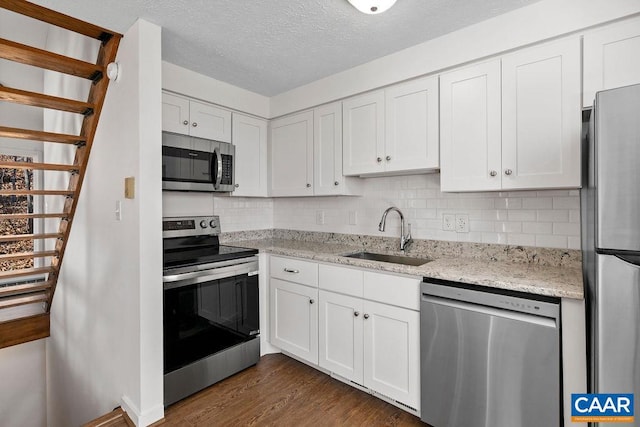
[(392, 130), (611, 58), (194, 118), (363, 133), (470, 128), (541, 116), (291, 155), (250, 140), (513, 123), (306, 154), (411, 118)]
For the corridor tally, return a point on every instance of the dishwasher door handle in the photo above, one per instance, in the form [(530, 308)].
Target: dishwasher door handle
[(491, 311)]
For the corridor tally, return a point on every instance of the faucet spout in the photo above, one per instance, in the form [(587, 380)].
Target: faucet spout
[(404, 239)]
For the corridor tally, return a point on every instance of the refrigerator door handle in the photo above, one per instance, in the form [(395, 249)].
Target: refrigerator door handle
[(631, 259)]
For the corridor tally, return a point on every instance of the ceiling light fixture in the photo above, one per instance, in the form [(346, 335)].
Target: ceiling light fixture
[(372, 7)]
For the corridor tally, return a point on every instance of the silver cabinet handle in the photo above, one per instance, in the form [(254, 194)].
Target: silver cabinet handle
[(186, 122), (379, 159), (388, 158), (336, 183), (311, 301), (493, 173), (195, 124), (308, 185), (366, 316), (237, 185), (356, 313), (508, 171), (289, 270)]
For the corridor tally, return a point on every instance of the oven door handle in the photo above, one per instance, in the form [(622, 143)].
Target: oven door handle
[(187, 279)]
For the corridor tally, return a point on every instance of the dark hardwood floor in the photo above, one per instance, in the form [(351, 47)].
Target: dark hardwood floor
[(280, 391)]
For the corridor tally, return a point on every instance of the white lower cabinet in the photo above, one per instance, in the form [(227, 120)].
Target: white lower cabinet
[(392, 352), (373, 344), (341, 335), (294, 319)]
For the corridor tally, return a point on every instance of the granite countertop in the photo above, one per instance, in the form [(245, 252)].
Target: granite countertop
[(563, 281)]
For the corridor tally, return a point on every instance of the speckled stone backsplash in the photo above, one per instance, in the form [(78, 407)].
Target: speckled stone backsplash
[(423, 248)]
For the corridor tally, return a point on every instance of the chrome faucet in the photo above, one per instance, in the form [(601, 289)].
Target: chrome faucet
[(404, 240)]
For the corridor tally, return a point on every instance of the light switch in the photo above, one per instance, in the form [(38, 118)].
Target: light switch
[(320, 217), (118, 210)]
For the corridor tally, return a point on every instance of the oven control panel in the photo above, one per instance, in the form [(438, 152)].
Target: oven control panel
[(190, 226)]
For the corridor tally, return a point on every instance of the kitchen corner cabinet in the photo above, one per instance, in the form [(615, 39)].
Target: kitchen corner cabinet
[(514, 122), (611, 58), (188, 117), (293, 307), (392, 130), (250, 140), (291, 155), (306, 154)]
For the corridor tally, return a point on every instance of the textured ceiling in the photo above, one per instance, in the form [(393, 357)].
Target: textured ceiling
[(271, 46)]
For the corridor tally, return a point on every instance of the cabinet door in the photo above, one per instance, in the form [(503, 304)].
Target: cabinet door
[(250, 140), (611, 58), (327, 150), (363, 133), (470, 130), (291, 155), (411, 123), (392, 352), (541, 116), (175, 114), (340, 335), (294, 319), (210, 122)]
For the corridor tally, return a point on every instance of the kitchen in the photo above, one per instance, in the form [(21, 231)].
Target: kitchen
[(544, 218)]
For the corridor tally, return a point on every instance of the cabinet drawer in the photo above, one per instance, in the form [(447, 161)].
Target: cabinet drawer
[(394, 290), (294, 270), (343, 280)]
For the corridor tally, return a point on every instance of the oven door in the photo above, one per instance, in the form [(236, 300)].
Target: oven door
[(209, 311)]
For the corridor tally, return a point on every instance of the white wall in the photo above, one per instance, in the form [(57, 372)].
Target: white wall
[(531, 24), (105, 347), (532, 218), (198, 86), (22, 388)]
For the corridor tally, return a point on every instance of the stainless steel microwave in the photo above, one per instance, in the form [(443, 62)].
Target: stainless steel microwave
[(196, 164)]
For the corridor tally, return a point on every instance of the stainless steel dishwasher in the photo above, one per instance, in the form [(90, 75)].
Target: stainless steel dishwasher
[(488, 357)]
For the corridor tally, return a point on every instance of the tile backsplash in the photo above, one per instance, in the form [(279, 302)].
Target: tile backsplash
[(549, 218)]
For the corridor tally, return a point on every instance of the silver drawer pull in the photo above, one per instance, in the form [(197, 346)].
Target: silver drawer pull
[(356, 313), (311, 301), (366, 316), (289, 270)]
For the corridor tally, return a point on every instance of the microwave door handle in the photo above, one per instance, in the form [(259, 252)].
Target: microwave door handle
[(217, 160)]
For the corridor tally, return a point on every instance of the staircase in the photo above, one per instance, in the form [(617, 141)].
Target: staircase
[(35, 286)]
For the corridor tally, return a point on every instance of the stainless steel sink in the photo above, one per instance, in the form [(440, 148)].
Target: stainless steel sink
[(395, 259)]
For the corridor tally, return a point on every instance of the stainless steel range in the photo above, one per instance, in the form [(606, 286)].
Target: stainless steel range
[(211, 317)]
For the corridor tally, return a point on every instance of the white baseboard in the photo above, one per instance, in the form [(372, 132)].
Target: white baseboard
[(139, 418)]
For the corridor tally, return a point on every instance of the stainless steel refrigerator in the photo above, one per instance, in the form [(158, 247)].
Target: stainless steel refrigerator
[(611, 241)]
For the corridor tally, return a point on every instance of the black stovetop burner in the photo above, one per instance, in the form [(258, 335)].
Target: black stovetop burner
[(190, 241)]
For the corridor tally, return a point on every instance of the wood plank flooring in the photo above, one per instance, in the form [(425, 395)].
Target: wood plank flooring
[(280, 391)]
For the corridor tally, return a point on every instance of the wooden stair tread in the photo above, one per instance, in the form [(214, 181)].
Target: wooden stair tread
[(115, 418), (38, 166), (36, 135), (36, 192), (25, 288), (27, 255), (16, 237), (15, 301), (33, 215), (35, 271), (24, 54), (35, 99), (25, 329), (56, 18)]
